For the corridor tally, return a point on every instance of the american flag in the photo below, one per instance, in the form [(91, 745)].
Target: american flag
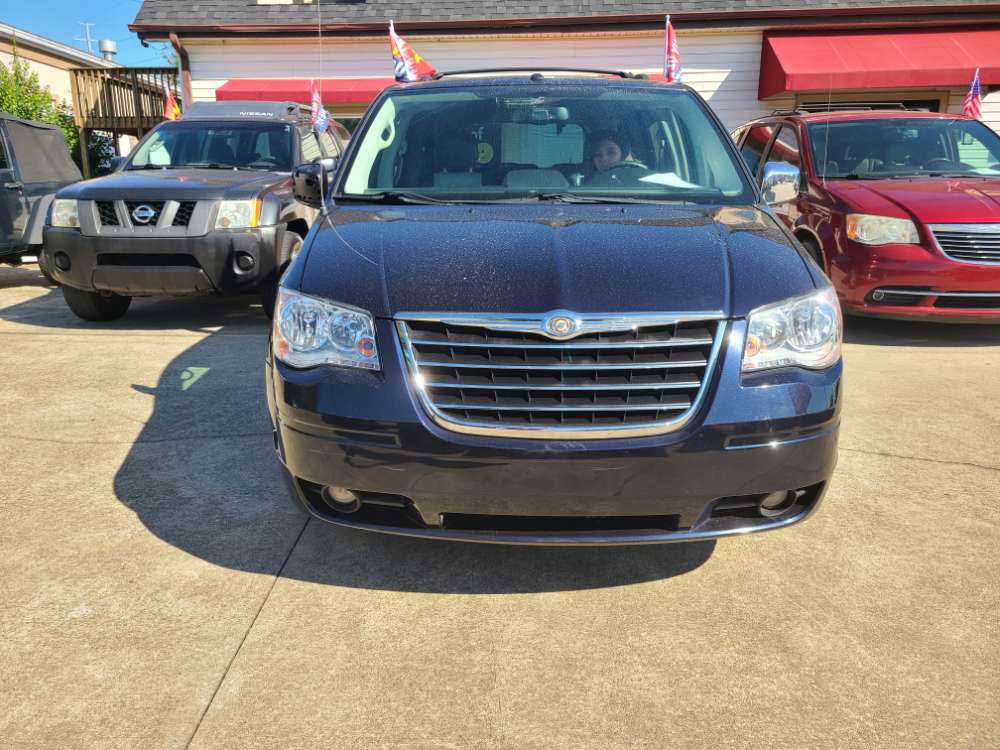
[(974, 99), (672, 70), (320, 117)]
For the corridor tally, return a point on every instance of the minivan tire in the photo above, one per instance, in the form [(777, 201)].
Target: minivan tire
[(291, 243), (813, 248), (95, 305)]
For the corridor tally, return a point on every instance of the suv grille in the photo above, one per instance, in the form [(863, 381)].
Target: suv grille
[(183, 216), (106, 210), (637, 376), (157, 207), (970, 243)]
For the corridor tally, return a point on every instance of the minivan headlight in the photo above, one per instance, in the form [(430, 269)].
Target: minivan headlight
[(238, 214), (881, 230), (65, 213), (803, 331), (310, 332)]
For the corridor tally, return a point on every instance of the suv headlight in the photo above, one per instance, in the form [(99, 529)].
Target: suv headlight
[(237, 214), (65, 213), (310, 332), (881, 230), (802, 331)]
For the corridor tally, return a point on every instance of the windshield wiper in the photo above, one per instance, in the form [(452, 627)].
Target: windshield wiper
[(392, 196), (574, 198), (208, 165)]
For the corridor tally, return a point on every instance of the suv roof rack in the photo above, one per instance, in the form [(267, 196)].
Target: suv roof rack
[(812, 109), (539, 72)]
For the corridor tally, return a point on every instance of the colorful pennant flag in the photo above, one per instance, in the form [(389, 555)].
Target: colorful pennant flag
[(320, 117), (672, 70), (170, 109), (409, 66), (974, 99)]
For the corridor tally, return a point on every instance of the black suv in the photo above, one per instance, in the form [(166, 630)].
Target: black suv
[(551, 309), (202, 205), (34, 164)]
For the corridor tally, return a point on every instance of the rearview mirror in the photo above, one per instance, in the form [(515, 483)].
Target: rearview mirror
[(311, 182), (780, 182)]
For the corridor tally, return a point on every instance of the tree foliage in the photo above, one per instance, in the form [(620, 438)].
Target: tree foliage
[(24, 96)]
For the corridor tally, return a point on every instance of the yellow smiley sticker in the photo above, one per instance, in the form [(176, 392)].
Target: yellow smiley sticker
[(485, 153)]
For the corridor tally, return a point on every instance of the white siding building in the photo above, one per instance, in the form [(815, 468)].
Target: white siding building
[(272, 50)]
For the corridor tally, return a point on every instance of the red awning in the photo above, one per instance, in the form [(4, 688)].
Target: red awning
[(335, 90), (877, 60)]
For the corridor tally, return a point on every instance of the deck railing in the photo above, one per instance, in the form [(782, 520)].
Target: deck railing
[(121, 99)]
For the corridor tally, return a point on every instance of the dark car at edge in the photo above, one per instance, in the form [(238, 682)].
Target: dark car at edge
[(551, 309)]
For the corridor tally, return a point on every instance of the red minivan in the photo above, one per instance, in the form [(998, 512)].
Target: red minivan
[(900, 208)]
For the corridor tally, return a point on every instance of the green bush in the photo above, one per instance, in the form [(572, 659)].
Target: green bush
[(23, 95)]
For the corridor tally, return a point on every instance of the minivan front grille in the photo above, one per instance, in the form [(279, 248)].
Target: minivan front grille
[(969, 243), (621, 376)]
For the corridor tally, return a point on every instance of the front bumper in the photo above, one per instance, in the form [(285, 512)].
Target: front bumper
[(366, 432), (181, 265), (913, 282)]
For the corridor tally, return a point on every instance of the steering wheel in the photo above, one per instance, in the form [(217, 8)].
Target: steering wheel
[(942, 163), (626, 163)]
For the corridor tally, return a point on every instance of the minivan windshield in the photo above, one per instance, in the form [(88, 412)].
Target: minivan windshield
[(218, 145), (579, 141), (903, 147)]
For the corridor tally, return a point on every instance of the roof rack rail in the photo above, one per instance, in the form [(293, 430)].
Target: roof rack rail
[(538, 71), (811, 109)]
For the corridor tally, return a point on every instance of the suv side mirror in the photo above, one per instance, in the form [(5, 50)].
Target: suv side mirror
[(116, 161), (311, 182), (780, 182)]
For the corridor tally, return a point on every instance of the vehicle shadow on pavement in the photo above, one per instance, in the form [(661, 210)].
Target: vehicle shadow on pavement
[(202, 476), (879, 332)]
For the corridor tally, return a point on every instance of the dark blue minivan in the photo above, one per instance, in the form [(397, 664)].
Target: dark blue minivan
[(552, 308)]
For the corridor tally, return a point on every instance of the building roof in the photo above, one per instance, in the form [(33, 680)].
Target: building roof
[(236, 16), (56, 49)]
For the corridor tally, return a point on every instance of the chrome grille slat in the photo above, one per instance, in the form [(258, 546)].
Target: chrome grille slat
[(969, 243), (507, 377)]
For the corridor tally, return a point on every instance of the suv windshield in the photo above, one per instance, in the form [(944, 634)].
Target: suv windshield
[(570, 141), (179, 145), (904, 147)]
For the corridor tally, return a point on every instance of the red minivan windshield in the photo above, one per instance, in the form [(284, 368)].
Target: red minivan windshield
[(903, 147)]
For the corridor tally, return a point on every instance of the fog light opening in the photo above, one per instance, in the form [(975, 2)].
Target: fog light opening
[(341, 499), (776, 503), (245, 261), (62, 261)]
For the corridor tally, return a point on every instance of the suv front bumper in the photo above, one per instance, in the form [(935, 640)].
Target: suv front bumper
[(163, 265), (366, 432)]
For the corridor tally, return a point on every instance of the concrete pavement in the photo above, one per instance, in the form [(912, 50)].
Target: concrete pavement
[(157, 591)]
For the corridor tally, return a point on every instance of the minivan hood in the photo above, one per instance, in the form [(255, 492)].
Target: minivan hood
[(173, 184), (540, 257), (930, 200)]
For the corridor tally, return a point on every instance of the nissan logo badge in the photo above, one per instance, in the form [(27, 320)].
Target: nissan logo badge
[(143, 214)]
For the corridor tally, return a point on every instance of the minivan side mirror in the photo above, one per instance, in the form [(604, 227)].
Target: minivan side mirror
[(780, 182), (311, 182), (116, 162)]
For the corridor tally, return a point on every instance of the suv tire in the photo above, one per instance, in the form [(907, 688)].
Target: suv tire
[(291, 243), (95, 305)]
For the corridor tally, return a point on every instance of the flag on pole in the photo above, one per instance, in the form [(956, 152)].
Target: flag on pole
[(320, 117), (170, 109), (409, 66), (974, 99), (672, 70)]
